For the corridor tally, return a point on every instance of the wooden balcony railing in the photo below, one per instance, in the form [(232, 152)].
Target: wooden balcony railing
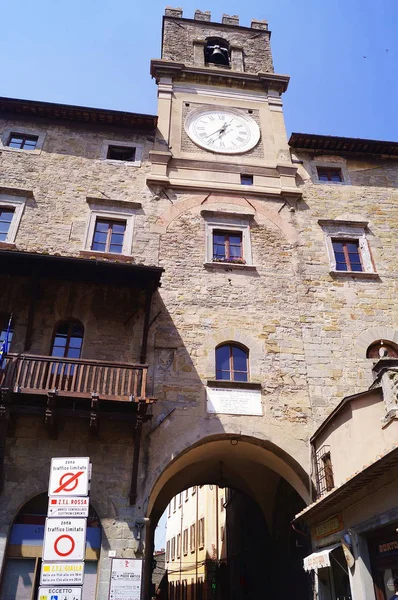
[(32, 374)]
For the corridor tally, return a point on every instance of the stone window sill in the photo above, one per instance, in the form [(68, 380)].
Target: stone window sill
[(107, 256), (7, 246), (228, 266), (242, 385), (356, 274)]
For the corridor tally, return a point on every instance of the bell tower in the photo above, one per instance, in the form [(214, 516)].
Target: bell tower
[(220, 119)]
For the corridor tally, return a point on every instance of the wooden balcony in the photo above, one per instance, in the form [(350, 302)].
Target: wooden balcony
[(74, 378)]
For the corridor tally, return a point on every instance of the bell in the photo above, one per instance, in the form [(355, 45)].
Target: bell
[(218, 57)]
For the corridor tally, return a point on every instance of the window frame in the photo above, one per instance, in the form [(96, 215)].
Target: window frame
[(192, 538), (122, 144), (329, 170), (23, 131), (227, 246), (339, 230), (232, 345), (70, 323), (109, 233), (109, 213), (185, 541), (17, 204), (346, 254), (201, 533), (232, 225), (330, 163)]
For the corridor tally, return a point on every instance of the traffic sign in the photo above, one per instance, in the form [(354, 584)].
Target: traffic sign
[(126, 577), (68, 506), (60, 593), (64, 539), (69, 477), (65, 573)]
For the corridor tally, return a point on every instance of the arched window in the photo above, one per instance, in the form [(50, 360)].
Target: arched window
[(382, 349), (4, 321), (68, 340), (217, 51), (232, 363)]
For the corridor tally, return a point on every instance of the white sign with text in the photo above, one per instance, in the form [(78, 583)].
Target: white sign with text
[(68, 506), (62, 573), (64, 539), (126, 579), (234, 401)]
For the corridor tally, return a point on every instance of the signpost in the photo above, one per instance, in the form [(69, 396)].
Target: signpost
[(65, 529), (126, 579), (60, 593), (68, 573), (72, 506)]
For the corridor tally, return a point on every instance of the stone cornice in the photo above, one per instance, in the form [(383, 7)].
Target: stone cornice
[(181, 72)]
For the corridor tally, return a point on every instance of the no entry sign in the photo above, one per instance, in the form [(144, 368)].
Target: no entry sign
[(68, 506), (69, 477), (64, 539), (60, 593)]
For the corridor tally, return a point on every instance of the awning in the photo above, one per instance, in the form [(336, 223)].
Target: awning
[(320, 559)]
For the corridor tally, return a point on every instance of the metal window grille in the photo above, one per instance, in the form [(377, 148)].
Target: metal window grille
[(324, 470)]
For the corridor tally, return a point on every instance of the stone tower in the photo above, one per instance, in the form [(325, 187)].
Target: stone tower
[(212, 74)]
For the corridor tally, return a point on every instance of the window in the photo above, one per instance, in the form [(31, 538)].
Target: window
[(6, 216), (23, 141), (169, 509), (231, 363), (192, 536), (11, 211), (324, 470), (184, 590), (180, 499), (168, 551), (116, 151), (4, 320), (246, 179), (348, 247), (178, 591), (26, 140), (68, 340), (108, 236), (382, 349), (347, 255), (201, 532), (185, 541), (227, 239), (216, 51), (126, 153), (329, 174), (221, 504), (178, 545), (222, 533), (194, 490), (227, 246), (186, 494), (173, 548)]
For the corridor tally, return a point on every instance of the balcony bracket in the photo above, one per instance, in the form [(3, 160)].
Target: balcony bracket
[(141, 414), (50, 420), (94, 414), (5, 401)]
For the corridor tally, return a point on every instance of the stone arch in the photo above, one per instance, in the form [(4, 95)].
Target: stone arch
[(245, 463), (383, 332), (173, 212), (235, 335)]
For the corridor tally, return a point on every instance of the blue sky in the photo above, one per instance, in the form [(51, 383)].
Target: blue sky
[(97, 53)]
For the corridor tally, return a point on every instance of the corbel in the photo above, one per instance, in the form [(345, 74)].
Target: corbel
[(5, 401), (94, 413), (50, 421), (141, 414)]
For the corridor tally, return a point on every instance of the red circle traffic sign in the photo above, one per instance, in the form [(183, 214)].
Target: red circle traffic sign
[(72, 541), (73, 481)]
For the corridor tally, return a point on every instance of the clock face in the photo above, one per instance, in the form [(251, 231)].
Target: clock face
[(222, 131)]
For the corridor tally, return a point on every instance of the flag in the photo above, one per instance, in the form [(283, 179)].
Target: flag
[(4, 346)]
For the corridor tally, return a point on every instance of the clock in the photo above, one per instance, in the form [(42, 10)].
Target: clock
[(224, 131)]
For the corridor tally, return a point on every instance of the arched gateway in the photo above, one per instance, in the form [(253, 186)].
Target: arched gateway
[(275, 487)]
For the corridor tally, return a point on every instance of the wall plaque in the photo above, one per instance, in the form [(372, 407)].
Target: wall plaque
[(234, 401)]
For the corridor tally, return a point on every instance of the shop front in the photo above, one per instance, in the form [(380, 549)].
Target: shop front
[(383, 552)]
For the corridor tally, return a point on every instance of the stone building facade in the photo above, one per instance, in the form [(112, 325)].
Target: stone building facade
[(281, 302)]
